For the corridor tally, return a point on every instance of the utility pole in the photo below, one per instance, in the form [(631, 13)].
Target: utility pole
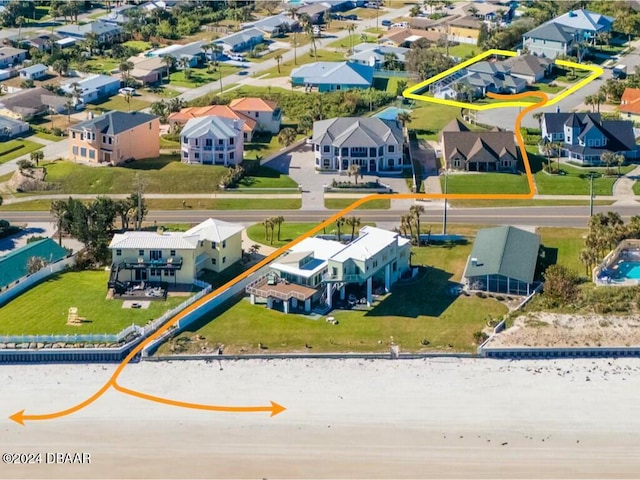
[(591, 195), (139, 209), (444, 214)]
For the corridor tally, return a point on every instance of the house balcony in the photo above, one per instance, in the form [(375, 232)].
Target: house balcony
[(170, 263), (344, 278)]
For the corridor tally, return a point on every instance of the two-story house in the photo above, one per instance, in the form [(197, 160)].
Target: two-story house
[(316, 270), (115, 138), (174, 257), (213, 141), (375, 144), (584, 137), (266, 113), (566, 34)]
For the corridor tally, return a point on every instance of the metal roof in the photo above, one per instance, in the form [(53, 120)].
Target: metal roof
[(215, 230), (154, 241), (369, 242), (218, 127), (506, 251), (335, 73), (241, 37), (13, 266)]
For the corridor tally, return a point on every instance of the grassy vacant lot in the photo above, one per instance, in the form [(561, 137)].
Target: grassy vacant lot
[(291, 231), (49, 136), (340, 203), (16, 148), (428, 120), (162, 175), (568, 242), (118, 102), (43, 309), (524, 203), (263, 145), (446, 322), (102, 65), (200, 76), (139, 45), (265, 177), (486, 183), (286, 67)]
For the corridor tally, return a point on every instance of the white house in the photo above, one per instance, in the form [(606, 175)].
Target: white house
[(212, 140), (266, 113), (34, 72), (316, 270), (12, 127), (373, 143), (92, 88)]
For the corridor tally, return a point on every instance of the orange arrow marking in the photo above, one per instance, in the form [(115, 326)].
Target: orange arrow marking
[(20, 417), (274, 408)]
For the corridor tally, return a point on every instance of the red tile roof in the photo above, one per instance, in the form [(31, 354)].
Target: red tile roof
[(252, 104), (630, 101), (224, 111)]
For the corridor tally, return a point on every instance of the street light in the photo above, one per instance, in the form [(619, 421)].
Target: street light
[(444, 213), (591, 195)]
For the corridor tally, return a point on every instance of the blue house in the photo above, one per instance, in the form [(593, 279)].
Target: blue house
[(94, 88), (242, 40), (330, 76), (584, 137), (105, 32)]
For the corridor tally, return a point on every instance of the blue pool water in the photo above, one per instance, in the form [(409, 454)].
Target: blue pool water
[(626, 270), (390, 113)]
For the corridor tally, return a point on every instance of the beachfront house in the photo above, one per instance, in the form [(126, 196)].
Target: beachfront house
[(316, 273), (115, 137), (212, 141), (266, 113), (175, 258), (375, 144), (503, 260)]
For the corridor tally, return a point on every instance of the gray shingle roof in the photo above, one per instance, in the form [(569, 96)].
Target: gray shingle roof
[(97, 27), (358, 132), (484, 146), (218, 127), (506, 251), (527, 64), (114, 122), (551, 32), (242, 37)]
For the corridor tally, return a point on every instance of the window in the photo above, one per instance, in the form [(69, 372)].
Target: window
[(392, 148), (141, 252), (317, 147), (391, 162), (196, 142), (104, 139), (185, 154), (73, 134), (83, 152), (590, 142), (149, 125), (224, 244), (245, 135), (213, 261), (172, 253), (208, 142), (220, 142), (381, 151), (169, 273), (256, 114), (220, 156), (214, 245), (118, 253), (231, 141), (196, 155), (82, 136), (224, 259), (326, 149), (92, 154), (597, 142), (185, 140), (344, 152), (75, 150), (93, 136), (232, 155)]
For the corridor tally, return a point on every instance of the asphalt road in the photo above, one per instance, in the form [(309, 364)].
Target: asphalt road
[(534, 216)]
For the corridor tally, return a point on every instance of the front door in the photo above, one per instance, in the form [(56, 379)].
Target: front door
[(141, 275), (106, 157)]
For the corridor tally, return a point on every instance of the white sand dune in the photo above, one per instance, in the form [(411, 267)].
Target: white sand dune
[(436, 418)]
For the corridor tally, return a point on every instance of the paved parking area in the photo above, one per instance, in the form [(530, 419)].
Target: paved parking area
[(300, 165)]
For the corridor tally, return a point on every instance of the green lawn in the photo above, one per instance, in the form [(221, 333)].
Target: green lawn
[(265, 177), (263, 145), (201, 76), (16, 148), (286, 67), (486, 183), (463, 50), (546, 88), (524, 203), (85, 290), (118, 102), (568, 242), (340, 203), (163, 92), (48, 136), (428, 120), (102, 65), (139, 45), (446, 322), (267, 56), (191, 204), (168, 144), (636, 188), (291, 231)]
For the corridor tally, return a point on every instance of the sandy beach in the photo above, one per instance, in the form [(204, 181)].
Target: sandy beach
[(434, 418)]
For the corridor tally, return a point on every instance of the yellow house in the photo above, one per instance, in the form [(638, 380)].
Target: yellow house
[(464, 30), (115, 137), (174, 257)]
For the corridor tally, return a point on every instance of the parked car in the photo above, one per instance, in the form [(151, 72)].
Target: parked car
[(386, 23), (127, 90)]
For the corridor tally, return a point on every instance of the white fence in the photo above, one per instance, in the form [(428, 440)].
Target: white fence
[(75, 338), (23, 283)]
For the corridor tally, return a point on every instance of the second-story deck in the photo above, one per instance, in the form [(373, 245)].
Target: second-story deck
[(174, 263)]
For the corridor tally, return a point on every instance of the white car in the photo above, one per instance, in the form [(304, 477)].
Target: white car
[(127, 90)]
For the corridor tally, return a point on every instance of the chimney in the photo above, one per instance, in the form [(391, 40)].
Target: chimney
[(474, 262), (557, 108), (160, 230)]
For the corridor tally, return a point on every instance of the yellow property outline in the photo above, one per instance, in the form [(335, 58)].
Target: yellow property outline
[(410, 92), (20, 417)]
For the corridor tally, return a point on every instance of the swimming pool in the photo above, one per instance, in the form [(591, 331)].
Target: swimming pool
[(390, 113), (626, 270)]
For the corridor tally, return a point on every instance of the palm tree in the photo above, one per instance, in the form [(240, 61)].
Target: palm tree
[(267, 225), (278, 221), (287, 136), (351, 28), (36, 157), (215, 51), (20, 23), (607, 158), (184, 63), (127, 98), (278, 59), (125, 67), (355, 170), (599, 98), (557, 148), (590, 101), (295, 48), (404, 117), (339, 224), (35, 264), (91, 41), (353, 222), (170, 62), (406, 224), (59, 211), (415, 211), (619, 159), (538, 116), (308, 30)]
